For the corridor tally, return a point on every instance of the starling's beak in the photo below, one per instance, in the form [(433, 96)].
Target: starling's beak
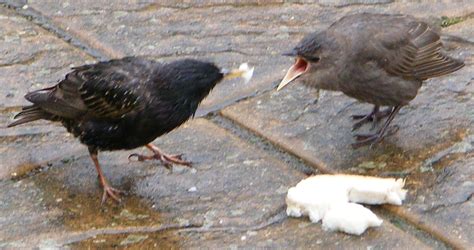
[(299, 68), (243, 71)]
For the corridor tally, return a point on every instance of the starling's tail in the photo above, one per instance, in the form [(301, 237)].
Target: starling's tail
[(29, 114), (34, 112)]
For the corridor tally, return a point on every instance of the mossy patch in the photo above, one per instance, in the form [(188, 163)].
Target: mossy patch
[(448, 21)]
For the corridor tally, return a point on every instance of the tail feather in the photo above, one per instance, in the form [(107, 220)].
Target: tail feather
[(34, 112), (27, 110), (29, 114)]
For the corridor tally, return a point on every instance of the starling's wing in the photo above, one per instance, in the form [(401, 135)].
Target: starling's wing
[(111, 89), (415, 53), (104, 90)]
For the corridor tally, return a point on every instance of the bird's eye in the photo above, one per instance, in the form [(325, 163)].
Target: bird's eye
[(312, 58)]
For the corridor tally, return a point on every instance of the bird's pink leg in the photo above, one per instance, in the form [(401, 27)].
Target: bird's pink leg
[(109, 191)]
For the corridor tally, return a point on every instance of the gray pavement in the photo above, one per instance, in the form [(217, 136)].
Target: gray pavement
[(249, 144)]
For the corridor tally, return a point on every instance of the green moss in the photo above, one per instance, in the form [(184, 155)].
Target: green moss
[(448, 21)]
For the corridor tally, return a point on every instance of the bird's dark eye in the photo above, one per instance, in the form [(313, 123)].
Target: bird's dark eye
[(312, 58)]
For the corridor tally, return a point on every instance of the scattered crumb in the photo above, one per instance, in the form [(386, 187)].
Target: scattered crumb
[(350, 218)]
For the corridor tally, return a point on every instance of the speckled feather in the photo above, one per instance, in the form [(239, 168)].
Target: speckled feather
[(124, 103)]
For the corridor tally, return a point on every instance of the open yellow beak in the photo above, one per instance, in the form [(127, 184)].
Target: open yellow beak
[(300, 67)]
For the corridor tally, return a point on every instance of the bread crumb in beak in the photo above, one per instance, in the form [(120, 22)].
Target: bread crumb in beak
[(244, 71), (247, 72)]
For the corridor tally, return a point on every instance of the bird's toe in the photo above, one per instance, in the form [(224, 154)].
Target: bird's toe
[(113, 193)]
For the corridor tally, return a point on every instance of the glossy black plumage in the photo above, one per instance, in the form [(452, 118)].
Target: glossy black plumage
[(381, 59), (124, 103)]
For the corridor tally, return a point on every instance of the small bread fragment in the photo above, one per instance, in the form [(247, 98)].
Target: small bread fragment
[(313, 204), (371, 190), (350, 218)]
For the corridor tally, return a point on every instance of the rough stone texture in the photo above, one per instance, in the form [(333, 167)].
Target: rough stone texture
[(462, 30), (236, 187), (234, 197), (30, 147), (304, 235), (258, 34), (26, 62), (440, 116), (31, 58), (447, 202)]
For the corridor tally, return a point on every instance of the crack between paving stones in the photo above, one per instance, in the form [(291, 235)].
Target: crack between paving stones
[(439, 206), (456, 39), (355, 4), (173, 34), (70, 238), (201, 53), (26, 61), (421, 224), (155, 6), (48, 25), (45, 23), (399, 212), (34, 57)]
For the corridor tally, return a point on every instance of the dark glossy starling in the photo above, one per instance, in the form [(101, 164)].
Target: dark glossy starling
[(125, 104), (376, 58)]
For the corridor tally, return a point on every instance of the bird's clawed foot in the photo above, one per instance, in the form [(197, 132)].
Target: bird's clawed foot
[(372, 139), (111, 192), (166, 160), (375, 116)]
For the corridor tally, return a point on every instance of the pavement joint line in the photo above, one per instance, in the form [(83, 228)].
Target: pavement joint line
[(47, 24), (45, 165), (44, 22), (418, 223), (404, 225), (74, 237), (185, 7), (319, 165), (261, 143), (280, 149), (215, 109)]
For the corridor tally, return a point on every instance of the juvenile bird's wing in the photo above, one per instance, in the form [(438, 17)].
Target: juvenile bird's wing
[(413, 51), (105, 90)]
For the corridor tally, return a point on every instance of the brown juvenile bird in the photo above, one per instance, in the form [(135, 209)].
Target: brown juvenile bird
[(376, 58), (125, 104)]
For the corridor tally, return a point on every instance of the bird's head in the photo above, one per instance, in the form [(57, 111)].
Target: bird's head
[(311, 61), (194, 78)]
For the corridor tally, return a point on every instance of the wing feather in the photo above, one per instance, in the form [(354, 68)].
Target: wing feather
[(418, 54)]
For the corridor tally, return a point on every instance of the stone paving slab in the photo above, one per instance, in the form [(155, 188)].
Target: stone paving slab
[(227, 32), (26, 63), (235, 185), (53, 201), (447, 200), (25, 148), (438, 121), (304, 235)]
